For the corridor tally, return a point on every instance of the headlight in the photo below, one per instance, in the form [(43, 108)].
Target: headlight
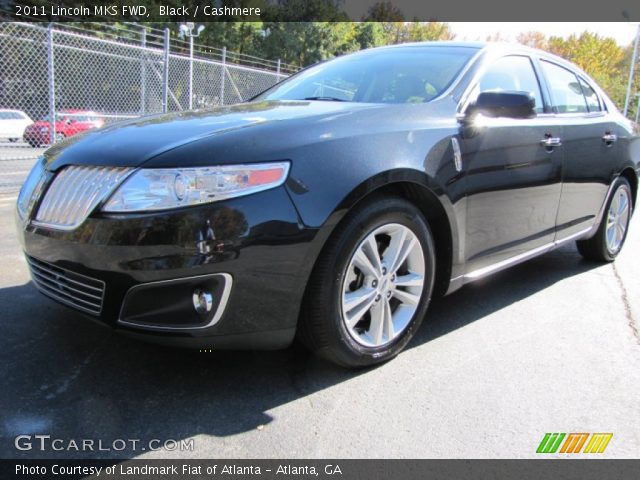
[(31, 188), (164, 188)]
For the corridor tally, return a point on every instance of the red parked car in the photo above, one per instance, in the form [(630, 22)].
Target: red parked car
[(68, 123)]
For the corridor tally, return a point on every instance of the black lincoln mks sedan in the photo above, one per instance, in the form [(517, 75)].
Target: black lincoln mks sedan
[(333, 206)]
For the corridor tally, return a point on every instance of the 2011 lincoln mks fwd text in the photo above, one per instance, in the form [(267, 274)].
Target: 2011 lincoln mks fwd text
[(334, 205)]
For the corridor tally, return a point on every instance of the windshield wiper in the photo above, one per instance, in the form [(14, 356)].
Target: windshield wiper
[(326, 99)]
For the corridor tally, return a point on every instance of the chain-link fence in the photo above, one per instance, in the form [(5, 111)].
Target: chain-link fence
[(85, 79)]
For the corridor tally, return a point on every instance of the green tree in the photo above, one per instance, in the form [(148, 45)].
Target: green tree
[(428, 31), (370, 34), (533, 39), (385, 12)]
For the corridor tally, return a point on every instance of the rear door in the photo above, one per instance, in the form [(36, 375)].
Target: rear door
[(590, 144), (513, 179)]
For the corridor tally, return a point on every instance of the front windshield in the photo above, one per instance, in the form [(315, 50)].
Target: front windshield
[(394, 75)]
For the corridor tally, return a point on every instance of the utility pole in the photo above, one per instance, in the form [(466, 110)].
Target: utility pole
[(51, 85), (186, 30), (632, 69), (165, 75), (143, 71)]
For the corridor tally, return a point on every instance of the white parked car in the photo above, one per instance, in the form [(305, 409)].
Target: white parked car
[(12, 124)]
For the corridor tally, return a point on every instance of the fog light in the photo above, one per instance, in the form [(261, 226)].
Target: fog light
[(202, 301)]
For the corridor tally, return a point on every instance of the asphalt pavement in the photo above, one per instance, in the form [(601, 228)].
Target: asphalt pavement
[(552, 345)]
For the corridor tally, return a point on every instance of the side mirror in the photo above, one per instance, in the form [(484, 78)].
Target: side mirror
[(507, 104)]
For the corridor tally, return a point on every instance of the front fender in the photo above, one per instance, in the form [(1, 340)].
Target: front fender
[(428, 189)]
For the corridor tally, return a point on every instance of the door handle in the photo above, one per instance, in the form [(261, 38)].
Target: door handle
[(609, 138), (551, 142)]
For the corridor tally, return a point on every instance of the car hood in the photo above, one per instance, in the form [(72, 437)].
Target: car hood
[(134, 142)]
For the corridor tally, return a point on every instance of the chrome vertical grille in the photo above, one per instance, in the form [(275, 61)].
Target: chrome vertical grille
[(75, 290), (75, 192)]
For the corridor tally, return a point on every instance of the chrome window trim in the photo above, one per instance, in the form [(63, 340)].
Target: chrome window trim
[(573, 115), (222, 305)]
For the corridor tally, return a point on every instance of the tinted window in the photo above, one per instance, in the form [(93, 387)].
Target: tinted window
[(565, 89), (394, 75), (513, 73), (5, 115), (593, 102)]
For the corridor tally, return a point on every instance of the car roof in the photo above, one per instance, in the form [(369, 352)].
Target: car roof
[(491, 48), (439, 43), (10, 110)]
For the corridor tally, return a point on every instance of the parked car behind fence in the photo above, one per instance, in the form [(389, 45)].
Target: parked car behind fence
[(12, 124), (67, 124)]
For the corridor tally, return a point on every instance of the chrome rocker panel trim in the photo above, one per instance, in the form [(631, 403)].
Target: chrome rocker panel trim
[(588, 232), (496, 267)]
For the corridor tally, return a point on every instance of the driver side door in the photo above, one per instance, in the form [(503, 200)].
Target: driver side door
[(513, 173)]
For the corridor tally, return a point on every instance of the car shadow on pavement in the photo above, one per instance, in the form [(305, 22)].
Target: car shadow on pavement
[(71, 378), (483, 297)]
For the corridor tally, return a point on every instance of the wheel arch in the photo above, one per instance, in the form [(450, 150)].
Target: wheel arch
[(630, 175), (435, 214), (425, 194)]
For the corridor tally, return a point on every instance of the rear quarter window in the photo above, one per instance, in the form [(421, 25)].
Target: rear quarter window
[(593, 102)]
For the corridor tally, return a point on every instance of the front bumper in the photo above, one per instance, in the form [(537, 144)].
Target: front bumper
[(252, 250)]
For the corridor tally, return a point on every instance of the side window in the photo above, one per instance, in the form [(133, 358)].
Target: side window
[(512, 73), (593, 102), (565, 89)]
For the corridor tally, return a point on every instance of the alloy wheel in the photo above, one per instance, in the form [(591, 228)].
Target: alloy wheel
[(618, 219), (383, 285)]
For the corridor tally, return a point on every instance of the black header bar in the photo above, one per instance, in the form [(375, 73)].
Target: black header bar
[(321, 10)]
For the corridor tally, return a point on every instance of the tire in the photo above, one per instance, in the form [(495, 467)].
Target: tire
[(328, 307), (603, 246), (13, 140)]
